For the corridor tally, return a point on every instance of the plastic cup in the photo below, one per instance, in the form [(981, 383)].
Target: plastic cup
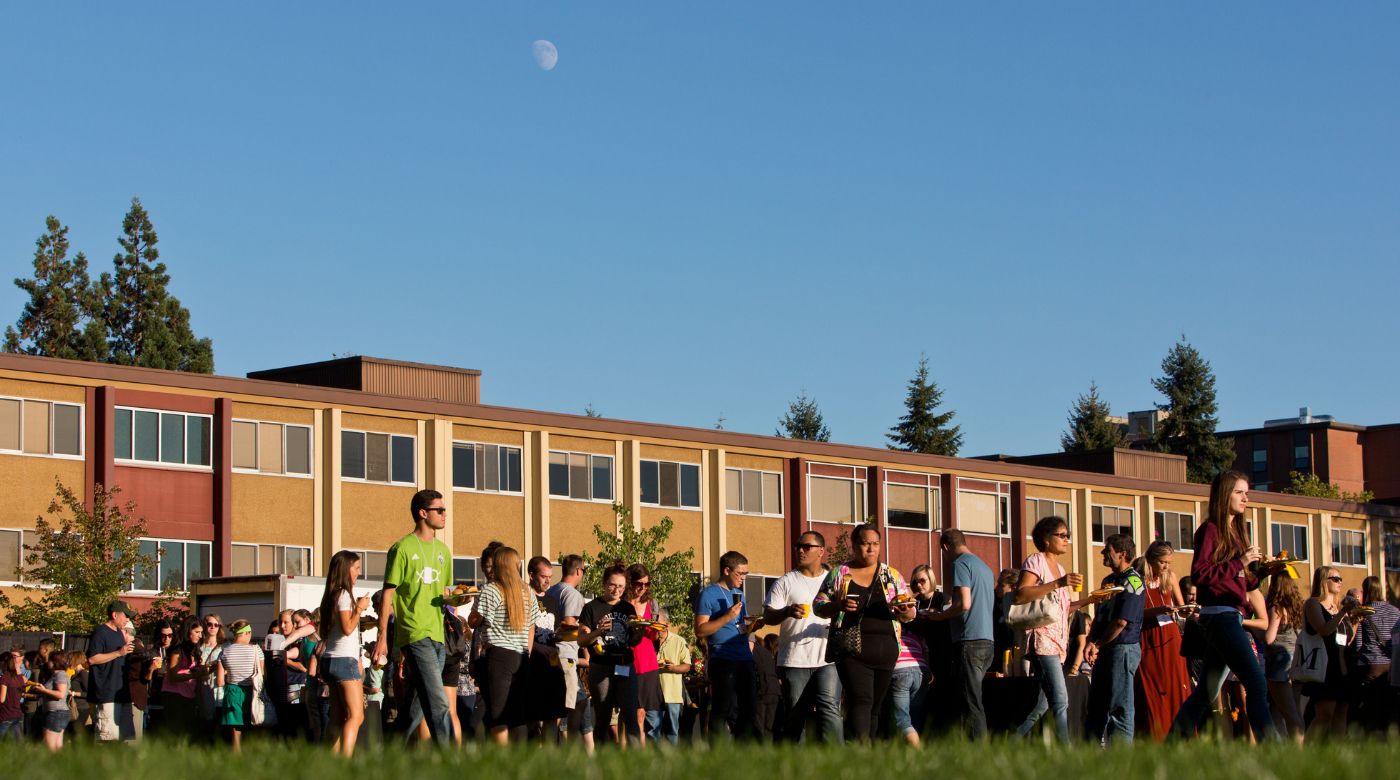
[(804, 610)]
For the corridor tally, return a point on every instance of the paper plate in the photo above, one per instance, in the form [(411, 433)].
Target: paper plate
[(1109, 591)]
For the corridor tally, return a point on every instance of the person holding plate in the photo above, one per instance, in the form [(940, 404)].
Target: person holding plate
[(1114, 648)]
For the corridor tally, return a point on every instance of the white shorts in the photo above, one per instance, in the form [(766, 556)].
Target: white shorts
[(570, 667), (117, 722)]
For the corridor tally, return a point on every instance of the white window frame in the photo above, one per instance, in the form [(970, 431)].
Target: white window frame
[(1187, 545), (284, 547), (1068, 515), (340, 468), (158, 540), (160, 464), (933, 501), (1132, 527), (864, 495), (257, 448), (5, 576), (1391, 540), (364, 559), (678, 463), (523, 466), (82, 429), (1336, 547), (1306, 557), (1003, 506), (782, 500), (590, 455)]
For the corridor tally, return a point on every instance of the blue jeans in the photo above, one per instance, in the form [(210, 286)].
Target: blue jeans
[(908, 688), (664, 724), (1110, 717), (809, 688), (1053, 698), (12, 727), (1228, 649), (423, 662), (972, 658)]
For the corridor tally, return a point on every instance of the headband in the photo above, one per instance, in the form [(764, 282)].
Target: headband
[(243, 630)]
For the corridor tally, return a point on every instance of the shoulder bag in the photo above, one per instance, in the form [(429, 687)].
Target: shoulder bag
[(1309, 658), (1042, 612), (261, 709), (844, 642)]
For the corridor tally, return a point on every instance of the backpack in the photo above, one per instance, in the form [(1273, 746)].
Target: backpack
[(454, 639)]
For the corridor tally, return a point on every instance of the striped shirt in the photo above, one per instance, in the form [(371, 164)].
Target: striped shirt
[(912, 651), (239, 662), (497, 627), (1373, 634)]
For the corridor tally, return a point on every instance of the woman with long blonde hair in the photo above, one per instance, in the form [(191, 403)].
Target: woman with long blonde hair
[(505, 612), (1325, 615), (1220, 571), (1285, 619)]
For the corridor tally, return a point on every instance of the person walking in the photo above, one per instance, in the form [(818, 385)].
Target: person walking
[(114, 716), (1220, 572), (505, 613), (1285, 605), (340, 661), (871, 599), (1162, 682), (1327, 615), (416, 573), (809, 682), (603, 630), (238, 663), (569, 601), (1371, 694), (1113, 647), (970, 614), (721, 620)]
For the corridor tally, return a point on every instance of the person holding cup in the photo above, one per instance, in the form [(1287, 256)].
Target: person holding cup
[(810, 682), (1047, 647)]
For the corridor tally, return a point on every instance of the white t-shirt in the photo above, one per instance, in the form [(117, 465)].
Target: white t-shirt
[(803, 642), (341, 645)]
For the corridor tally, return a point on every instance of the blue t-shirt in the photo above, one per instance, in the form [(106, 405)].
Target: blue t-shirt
[(1126, 606), (729, 642), (970, 572), (108, 683)]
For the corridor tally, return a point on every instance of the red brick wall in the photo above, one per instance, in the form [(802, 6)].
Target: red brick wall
[(1341, 459), (1382, 462)]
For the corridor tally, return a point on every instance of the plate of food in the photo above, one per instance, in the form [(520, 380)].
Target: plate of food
[(1109, 591), (462, 594), (903, 598), (1363, 611)]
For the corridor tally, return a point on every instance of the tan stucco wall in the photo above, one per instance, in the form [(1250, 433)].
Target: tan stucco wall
[(365, 422), (481, 518), (677, 454), (1049, 493), (27, 486), (487, 435), (373, 517), (1114, 499), (760, 539), (1174, 505), (571, 524), (581, 444), (42, 391), (273, 510), (739, 460), (282, 414), (687, 530)]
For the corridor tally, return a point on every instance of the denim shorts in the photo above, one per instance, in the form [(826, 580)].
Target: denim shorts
[(1277, 665), (339, 670), (56, 721)]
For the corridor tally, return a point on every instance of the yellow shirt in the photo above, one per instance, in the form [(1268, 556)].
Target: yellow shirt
[(676, 651)]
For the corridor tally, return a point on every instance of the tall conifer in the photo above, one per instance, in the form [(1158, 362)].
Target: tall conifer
[(920, 429)]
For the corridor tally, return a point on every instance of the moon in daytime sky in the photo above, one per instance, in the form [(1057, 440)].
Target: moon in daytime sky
[(546, 55)]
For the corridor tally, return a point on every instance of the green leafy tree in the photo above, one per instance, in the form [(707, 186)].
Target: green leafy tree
[(1315, 486), (148, 327), (171, 604), (803, 421), (83, 559), (1189, 428), (920, 429), (58, 320), (1089, 426), (671, 578)]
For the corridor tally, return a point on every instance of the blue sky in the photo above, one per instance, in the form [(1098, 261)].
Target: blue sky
[(702, 210)]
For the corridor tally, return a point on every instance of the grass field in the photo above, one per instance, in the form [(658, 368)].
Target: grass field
[(942, 760)]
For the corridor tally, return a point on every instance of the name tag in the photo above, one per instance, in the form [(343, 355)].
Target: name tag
[(1165, 619), (622, 671)]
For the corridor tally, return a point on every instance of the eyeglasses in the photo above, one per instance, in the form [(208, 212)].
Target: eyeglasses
[(1334, 579), (1061, 535), (806, 547), (211, 625), (642, 583)]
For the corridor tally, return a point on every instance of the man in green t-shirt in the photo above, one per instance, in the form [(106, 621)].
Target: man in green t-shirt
[(417, 572)]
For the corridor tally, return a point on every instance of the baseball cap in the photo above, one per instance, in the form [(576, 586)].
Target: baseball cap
[(121, 606)]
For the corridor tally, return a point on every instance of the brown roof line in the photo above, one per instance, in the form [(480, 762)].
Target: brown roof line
[(367, 359), (725, 439)]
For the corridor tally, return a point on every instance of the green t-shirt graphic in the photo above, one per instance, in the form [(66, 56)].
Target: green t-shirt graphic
[(418, 572)]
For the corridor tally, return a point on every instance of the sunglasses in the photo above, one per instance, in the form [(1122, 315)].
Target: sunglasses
[(439, 509), (1335, 579), (806, 547), (1061, 535)]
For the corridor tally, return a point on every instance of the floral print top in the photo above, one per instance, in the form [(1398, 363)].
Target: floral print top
[(833, 588)]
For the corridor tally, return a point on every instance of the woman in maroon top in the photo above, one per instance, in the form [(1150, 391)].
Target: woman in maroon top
[(1220, 571), (11, 698)]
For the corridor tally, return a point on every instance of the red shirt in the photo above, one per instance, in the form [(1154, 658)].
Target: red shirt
[(1219, 585), (13, 706)]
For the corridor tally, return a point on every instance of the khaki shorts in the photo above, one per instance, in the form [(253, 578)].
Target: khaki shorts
[(117, 722), (570, 667)]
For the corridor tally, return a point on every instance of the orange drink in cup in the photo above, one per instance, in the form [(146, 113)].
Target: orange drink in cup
[(804, 611)]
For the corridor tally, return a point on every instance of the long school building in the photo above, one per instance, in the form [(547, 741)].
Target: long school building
[(258, 476)]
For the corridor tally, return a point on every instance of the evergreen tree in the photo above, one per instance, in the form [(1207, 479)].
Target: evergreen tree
[(921, 430), (57, 321), (1089, 428), (148, 326), (1189, 428), (803, 421)]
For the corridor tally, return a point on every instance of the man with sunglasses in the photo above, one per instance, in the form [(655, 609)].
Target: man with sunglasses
[(415, 577), (809, 682)]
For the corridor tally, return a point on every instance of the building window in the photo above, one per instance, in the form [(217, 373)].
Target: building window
[(31, 427), (667, 484), (488, 467), (1302, 450), (1038, 509), (271, 448), (166, 438), (581, 476), (983, 513), (832, 500), (378, 457), (1110, 520), (1392, 548), (1292, 539), (372, 564), (466, 572), (1176, 529), (1348, 547), (180, 562), (13, 569), (751, 492), (911, 506), (1261, 461), (254, 559)]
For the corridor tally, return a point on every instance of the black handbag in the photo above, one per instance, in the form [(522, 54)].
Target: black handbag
[(844, 642)]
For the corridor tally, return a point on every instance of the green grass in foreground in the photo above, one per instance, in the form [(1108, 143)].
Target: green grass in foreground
[(944, 760)]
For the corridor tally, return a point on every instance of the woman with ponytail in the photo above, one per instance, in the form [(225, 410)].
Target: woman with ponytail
[(340, 663), (506, 613)]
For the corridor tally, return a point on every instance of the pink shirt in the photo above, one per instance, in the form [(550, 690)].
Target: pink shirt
[(1054, 638), (644, 654), (911, 651)]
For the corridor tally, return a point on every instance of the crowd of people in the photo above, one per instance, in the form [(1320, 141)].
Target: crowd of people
[(859, 652)]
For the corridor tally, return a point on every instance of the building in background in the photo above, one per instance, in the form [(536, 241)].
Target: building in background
[(1353, 457)]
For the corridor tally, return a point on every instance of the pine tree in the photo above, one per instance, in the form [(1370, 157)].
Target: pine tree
[(803, 421), (148, 326), (1089, 428), (1189, 428), (57, 321), (921, 430)]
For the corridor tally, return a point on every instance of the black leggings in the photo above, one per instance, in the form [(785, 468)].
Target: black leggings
[(866, 687), (507, 681)]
